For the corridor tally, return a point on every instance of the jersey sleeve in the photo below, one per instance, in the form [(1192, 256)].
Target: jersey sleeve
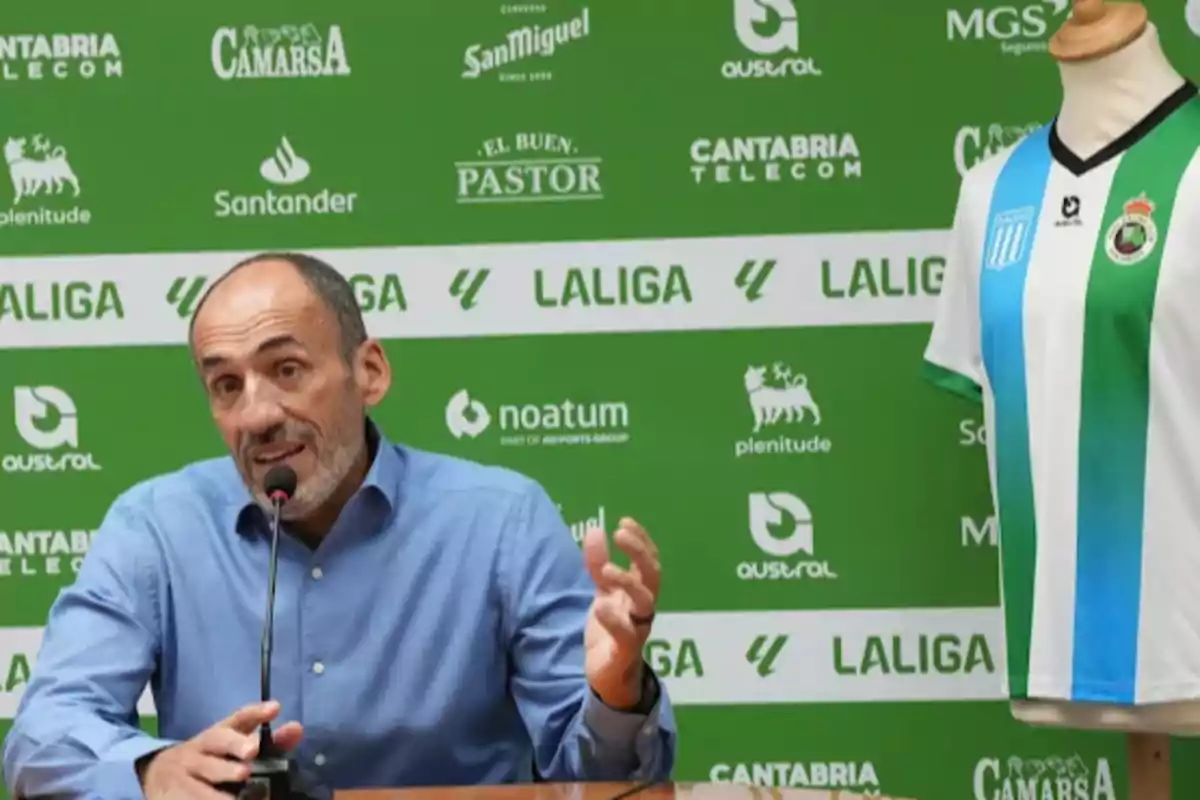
[(953, 358)]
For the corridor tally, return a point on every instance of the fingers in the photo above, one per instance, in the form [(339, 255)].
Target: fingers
[(641, 599), (633, 539), (615, 619), (595, 553), (213, 769), (635, 529), (248, 718), (288, 735), (225, 742), (192, 789)]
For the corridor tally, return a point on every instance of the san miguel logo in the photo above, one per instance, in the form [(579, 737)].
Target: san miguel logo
[(1131, 238)]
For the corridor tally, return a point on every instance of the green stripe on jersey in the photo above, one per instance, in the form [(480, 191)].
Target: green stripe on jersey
[(1115, 398)]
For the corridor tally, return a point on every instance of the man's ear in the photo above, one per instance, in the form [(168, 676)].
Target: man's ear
[(372, 372)]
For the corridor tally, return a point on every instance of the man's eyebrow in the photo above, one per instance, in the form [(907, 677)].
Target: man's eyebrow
[(274, 343)]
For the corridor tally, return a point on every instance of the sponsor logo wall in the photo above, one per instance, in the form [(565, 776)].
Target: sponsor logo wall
[(675, 262)]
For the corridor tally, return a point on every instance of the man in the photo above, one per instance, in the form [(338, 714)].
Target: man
[(435, 622)]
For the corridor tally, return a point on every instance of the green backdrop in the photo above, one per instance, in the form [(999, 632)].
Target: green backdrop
[(681, 257)]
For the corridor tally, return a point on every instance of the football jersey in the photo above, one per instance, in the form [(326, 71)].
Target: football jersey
[(1070, 307)]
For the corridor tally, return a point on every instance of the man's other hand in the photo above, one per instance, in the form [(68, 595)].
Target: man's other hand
[(221, 754)]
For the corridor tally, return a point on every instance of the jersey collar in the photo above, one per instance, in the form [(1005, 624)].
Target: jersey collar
[(1078, 166)]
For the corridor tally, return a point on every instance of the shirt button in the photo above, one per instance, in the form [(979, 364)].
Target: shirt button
[(317, 573), (318, 667), (319, 759)]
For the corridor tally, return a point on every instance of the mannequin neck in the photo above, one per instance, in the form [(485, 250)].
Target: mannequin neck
[(1105, 97)]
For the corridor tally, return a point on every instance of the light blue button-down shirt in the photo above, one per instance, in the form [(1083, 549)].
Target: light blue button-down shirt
[(434, 637)]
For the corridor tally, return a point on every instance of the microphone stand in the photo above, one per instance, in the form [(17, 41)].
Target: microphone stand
[(271, 771)]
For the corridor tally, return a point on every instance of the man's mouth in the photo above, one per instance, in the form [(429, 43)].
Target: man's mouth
[(275, 455)]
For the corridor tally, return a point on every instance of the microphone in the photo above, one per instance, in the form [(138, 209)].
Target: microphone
[(271, 771)]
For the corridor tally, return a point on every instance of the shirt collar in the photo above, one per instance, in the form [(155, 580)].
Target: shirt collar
[(383, 483)]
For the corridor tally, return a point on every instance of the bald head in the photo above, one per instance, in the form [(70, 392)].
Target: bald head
[(286, 279)]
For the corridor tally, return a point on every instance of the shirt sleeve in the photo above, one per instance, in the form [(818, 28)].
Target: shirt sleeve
[(76, 733), (547, 591), (953, 355)]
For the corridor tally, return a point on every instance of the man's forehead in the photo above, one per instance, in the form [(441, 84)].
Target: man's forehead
[(265, 288)]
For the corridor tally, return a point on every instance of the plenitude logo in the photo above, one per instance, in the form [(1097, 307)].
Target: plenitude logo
[(48, 422), (781, 526), (558, 424), (531, 167), (780, 401), (768, 29), (524, 53), (60, 56), (284, 167), (775, 158), (44, 184), (49, 552), (282, 51)]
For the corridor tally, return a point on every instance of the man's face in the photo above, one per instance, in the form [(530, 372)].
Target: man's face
[(269, 353)]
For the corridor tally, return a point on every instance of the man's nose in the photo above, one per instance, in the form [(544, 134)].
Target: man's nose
[(261, 410)]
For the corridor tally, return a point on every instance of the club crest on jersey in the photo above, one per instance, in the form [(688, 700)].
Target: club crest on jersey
[(1133, 235)]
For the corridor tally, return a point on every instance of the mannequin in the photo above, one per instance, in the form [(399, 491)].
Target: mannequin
[(1020, 320), (1114, 73)]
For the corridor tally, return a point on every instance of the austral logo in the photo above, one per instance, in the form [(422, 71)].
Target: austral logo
[(282, 51), (47, 421), (781, 525), (770, 30)]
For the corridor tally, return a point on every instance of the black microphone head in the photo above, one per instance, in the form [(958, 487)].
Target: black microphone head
[(280, 479)]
